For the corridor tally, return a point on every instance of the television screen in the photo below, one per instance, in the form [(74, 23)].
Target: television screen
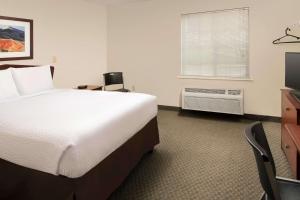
[(292, 70)]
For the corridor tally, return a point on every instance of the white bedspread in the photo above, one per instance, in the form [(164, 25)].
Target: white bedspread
[(68, 132)]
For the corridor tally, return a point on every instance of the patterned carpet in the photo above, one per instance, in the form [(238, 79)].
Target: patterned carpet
[(201, 157)]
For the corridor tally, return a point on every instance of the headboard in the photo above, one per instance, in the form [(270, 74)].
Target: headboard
[(6, 66)]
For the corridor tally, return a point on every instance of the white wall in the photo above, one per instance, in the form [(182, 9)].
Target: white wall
[(144, 43), (72, 30)]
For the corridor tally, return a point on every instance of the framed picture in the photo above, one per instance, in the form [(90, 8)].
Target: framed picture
[(16, 38)]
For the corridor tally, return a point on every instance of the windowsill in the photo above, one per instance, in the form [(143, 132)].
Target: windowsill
[(214, 78)]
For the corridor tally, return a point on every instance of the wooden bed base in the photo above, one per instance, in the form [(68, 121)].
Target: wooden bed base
[(21, 183)]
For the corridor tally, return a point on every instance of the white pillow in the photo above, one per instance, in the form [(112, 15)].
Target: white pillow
[(7, 85), (31, 80)]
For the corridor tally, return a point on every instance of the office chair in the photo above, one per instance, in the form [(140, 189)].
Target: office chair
[(113, 78), (275, 188)]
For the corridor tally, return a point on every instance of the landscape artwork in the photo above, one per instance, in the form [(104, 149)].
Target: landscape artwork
[(16, 40), (12, 38)]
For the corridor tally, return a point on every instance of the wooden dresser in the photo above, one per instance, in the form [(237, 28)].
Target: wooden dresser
[(290, 131)]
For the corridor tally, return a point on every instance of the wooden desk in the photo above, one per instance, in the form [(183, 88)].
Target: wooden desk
[(92, 87), (290, 131)]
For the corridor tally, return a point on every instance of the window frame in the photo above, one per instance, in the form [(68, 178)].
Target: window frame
[(248, 77)]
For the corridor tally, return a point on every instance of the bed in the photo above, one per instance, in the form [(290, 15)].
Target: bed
[(66, 144)]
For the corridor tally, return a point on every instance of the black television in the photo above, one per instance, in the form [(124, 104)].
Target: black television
[(292, 72)]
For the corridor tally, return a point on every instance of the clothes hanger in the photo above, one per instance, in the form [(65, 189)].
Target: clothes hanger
[(277, 41)]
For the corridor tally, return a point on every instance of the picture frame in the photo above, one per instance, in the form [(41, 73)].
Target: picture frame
[(16, 38)]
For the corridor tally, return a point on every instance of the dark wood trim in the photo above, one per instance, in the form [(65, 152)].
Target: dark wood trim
[(15, 19), (6, 66), (245, 116), (30, 21)]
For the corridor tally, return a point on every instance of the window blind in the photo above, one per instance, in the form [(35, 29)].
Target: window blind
[(215, 44)]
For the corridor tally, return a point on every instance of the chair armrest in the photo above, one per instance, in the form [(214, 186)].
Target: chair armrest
[(287, 180)]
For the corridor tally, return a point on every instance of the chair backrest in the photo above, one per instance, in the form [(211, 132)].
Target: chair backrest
[(256, 137), (113, 78)]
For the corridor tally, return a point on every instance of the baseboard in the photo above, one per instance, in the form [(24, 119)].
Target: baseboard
[(173, 108), (245, 116), (262, 118)]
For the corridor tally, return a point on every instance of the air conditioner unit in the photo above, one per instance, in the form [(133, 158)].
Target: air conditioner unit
[(213, 100)]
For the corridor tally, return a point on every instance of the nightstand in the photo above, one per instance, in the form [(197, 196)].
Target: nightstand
[(91, 87)]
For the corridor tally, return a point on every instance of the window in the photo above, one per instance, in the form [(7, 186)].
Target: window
[(215, 44)]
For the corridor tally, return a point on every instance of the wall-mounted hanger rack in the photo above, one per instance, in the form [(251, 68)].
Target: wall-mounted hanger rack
[(277, 41)]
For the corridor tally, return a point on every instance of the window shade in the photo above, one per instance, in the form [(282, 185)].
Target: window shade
[(215, 44)]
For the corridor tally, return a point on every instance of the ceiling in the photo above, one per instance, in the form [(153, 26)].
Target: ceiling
[(112, 2)]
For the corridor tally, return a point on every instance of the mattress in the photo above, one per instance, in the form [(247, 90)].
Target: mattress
[(68, 132)]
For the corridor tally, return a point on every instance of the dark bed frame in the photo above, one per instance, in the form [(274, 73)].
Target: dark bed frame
[(21, 183)]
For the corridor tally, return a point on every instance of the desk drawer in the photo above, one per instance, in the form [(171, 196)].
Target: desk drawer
[(289, 113), (290, 150)]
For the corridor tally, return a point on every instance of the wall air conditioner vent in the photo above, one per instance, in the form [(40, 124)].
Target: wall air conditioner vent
[(213, 100), (234, 92), (210, 91)]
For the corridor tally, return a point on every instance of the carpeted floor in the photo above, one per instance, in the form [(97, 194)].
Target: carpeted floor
[(201, 157)]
